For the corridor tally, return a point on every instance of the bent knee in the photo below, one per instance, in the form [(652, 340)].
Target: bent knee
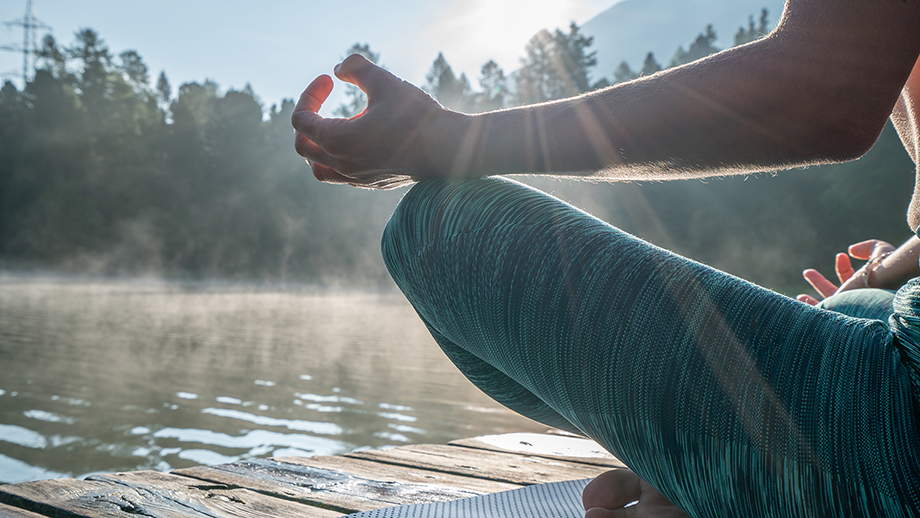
[(436, 209)]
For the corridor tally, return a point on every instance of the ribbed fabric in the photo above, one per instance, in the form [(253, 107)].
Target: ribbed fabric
[(729, 398), (553, 500)]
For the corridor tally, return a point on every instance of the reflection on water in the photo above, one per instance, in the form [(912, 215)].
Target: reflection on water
[(120, 375)]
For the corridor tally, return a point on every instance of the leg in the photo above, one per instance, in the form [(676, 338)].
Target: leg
[(606, 495), (729, 398), (867, 303)]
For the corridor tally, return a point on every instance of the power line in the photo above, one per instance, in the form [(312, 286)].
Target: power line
[(30, 26)]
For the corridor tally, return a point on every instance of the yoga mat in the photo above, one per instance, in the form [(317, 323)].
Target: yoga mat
[(553, 500)]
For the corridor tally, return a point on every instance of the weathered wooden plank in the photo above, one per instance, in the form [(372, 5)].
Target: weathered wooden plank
[(320, 486), (401, 474), (558, 447), (212, 500), (504, 467), (60, 497), (7, 511), (151, 494)]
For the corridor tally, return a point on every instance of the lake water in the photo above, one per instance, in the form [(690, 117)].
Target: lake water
[(101, 376)]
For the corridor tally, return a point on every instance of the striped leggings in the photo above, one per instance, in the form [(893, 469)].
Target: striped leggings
[(730, 399)]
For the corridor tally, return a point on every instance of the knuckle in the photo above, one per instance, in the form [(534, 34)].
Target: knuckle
[(304, 147), (354, 60), (300, 146)]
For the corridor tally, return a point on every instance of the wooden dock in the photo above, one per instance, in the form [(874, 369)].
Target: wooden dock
[(320, 487)]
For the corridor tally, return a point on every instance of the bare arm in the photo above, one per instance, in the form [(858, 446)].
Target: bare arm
[(818, 89)]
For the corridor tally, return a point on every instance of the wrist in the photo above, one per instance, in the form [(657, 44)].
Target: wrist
[(449, 146), (885, 272)]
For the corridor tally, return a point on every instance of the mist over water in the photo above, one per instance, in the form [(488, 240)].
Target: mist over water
[(105, 375)]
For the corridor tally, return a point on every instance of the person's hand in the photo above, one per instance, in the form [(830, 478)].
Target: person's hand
[(608, 495), (400, 136), (849, 278)]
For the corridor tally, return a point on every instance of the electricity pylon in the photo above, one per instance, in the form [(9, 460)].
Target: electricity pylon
[(30, 26)]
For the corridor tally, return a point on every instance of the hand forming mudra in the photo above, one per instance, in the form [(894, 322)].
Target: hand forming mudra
[(872, 251), (398, 138)]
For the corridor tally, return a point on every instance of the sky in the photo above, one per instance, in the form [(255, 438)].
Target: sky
[(279, 46)]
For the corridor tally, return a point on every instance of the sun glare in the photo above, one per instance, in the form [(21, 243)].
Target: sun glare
[(475, 31)]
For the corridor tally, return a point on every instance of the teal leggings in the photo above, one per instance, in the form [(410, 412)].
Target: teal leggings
[(732, 400)]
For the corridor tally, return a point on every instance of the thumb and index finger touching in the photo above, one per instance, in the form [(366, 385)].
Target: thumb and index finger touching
[(864, 250), (361, 72), (870, 248)]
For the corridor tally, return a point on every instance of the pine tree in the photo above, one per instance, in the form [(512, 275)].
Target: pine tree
[(624, 73), (752, 33), (493, 83), (163, 91), (650, 66), (452, 92), (700, 48), (555, 65)]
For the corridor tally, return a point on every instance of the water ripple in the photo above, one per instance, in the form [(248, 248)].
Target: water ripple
[(22, 436), (255, 439), (290, 424), (48, 417), (398, 417), (328, 399)]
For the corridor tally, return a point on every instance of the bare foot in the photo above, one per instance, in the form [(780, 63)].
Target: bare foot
[(608, 495)]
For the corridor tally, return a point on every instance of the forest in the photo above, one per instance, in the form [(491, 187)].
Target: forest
[(105, 171)]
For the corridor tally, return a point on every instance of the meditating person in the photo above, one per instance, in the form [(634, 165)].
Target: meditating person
[(724, 398)]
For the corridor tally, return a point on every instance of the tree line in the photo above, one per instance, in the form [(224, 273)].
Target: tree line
[(105, 171), (102, 172)]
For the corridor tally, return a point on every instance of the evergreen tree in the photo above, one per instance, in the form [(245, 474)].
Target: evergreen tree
[(52, 58), (94, 64), (753, 33), (577, 62), (536, 72), (600, 84), (624, 73), (493, 83), (452, 92), (700, 48), (555, 65), (163, 94), (650, 65), (134, 71)]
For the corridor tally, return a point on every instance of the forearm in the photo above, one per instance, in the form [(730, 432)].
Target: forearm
[(898, 267), (787, 100)]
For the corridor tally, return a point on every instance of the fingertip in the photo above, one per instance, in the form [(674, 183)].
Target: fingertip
[(358, 70), (346, 68), (322, 79), (315, 94), (806, 299)]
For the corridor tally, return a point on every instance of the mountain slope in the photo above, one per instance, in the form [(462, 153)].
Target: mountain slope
[(632, 28)]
